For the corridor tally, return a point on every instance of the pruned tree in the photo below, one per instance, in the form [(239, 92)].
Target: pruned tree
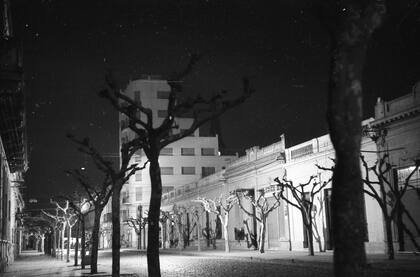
[(114, 181), (138, 224), (98, 195), (81, 207), (316, 214), (303, 196), (152, 139), (69, 220), (221, 207), (251, 236), (57, 222), (196, 212), (166, 220), (389, 196), (39, 225), (262, 209), (175, 217), (350, 25)]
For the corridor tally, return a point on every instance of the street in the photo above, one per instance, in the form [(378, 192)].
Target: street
[(210, 263)]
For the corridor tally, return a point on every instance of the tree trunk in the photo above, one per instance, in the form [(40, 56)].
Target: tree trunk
[(139, 239), (262, 234), (62, 242), (180, 235), (95, 242), (144, 237), (188, 229), (310, 239), (54, 244), (76, 246), (116, 231), (198, 226), (226, 233), (68, 242), (400, 229), (83, 243), (207, 229), (350, 36), (389, 240), (153, 263)]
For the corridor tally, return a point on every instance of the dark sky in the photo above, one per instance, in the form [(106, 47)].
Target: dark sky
[(69, 45)]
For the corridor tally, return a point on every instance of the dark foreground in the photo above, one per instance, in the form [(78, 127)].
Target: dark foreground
[(212, 263)]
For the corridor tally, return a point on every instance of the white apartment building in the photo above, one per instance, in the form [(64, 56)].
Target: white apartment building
[(182, 162)]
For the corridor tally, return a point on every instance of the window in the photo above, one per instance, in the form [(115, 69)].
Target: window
[(138, 175), (137, 96), (187, 151), (107, 217), (167, 151), (163, 94), (167, 170), (302, 151), (162, 113), (124, 196), (188, 170), (206, 171), (124, 215), (207, 151), (139, 193)]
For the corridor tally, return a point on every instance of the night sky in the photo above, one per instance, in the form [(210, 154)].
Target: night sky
[(68, 46)]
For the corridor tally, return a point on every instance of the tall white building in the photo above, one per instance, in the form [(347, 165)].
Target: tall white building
[(181, 162)]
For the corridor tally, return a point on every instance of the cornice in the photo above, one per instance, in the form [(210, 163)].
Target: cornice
[(396, 117)]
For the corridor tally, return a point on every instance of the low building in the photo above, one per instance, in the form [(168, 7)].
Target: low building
[(260, 166), (397, 126)]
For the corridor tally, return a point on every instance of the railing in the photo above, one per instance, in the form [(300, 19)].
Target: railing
[(190, 188)]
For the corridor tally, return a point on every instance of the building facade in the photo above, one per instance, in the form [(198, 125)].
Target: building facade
[(285, 230), (181, 162), (13, 154), (256, 171), (397, 123)]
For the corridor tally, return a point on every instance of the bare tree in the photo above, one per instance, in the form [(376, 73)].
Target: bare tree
[(39, 225), (175, 216), (69, 220), (262, 209), (113, 182), (389, 196), (316, 213), (303, 200), (152, 139), (77, 202), (166, 219), (98, 198), (58, 222), (138, 224), (350, 24), (221, 207), (196, 212)]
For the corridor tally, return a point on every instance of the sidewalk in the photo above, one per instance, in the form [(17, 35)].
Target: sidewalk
[(403, 261), (33, 263)]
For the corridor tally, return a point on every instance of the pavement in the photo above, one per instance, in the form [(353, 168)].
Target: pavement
[(190, 262)]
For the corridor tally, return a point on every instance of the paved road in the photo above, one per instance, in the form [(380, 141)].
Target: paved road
[(174, 264)]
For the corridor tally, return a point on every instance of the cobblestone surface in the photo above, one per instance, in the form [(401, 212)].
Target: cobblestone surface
[(208, 263)]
